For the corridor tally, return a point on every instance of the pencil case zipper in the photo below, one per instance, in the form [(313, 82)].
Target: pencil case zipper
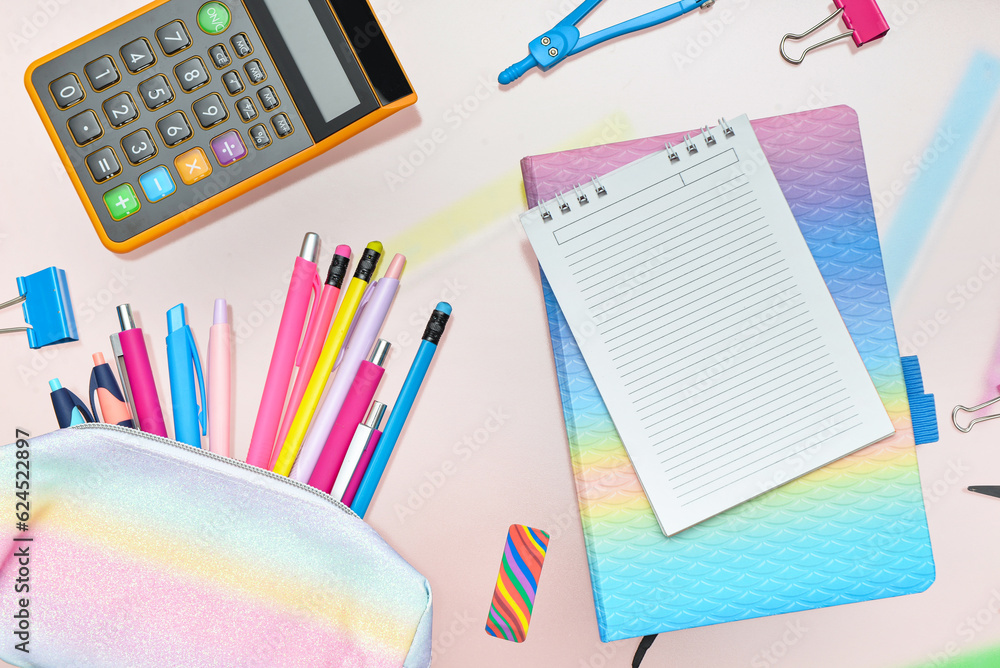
[(228, 460)]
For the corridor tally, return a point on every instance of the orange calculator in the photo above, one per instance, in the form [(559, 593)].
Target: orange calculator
[(185, 104)]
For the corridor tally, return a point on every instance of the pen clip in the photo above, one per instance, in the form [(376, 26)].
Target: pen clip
[(200, 378), (365, 298), (93, 390), (317, 287), (78, 402)]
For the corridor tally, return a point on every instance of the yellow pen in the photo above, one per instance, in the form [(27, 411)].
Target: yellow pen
[(327, 357)]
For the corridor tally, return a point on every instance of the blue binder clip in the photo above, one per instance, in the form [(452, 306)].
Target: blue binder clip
[(564, 40), (48, 311)]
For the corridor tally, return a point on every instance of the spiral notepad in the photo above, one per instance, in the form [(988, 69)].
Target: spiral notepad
[(706, 325)]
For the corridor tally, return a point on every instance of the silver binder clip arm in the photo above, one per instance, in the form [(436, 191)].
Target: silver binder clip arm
[(7, 304), (973, 409), (793, 37)]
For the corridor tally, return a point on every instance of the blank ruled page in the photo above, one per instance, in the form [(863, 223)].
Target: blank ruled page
[(708, 329)]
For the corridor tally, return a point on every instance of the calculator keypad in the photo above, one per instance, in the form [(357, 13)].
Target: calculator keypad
[(103, 164), (156, 92), (173, 37), (85, 128), (138, 147), (137, 55), (192, 74), (121, 110), (154, 133), (174, 128), (67, 91), (102, 73), (210, 111)]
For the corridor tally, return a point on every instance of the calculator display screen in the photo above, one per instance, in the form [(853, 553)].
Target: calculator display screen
[(314, 56)]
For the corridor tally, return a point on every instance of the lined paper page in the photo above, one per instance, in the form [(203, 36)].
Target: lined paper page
[(707, 326)]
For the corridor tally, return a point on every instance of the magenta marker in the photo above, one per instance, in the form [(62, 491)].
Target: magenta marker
[(140, 375), (359, 397), (358, 455)]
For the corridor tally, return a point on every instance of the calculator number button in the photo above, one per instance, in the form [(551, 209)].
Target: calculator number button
[(103, 165), (210, 111), (102, 73), (220, 57), (228, 148), (157, 184), (241, 45), (258, 134), (282, 126), (255, 72), (174, 128), (173, 38), (120, 110), (137, 55), (233, 82), (66, 91), (121, 201), (85, 128), (192, 74), (156, 92), (268, 98), (247, 110), (192, 166), (138, 147)]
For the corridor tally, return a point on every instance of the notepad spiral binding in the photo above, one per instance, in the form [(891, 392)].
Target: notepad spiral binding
[(578, 190)]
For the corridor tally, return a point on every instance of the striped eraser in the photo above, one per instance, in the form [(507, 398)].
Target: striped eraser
[(517, 582)]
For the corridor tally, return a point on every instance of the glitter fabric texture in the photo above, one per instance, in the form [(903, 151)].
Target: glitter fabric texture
[(145, 552)]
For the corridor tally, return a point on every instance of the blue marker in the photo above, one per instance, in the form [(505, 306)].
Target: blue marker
[(183, 361), (404, 402), (70, 409)]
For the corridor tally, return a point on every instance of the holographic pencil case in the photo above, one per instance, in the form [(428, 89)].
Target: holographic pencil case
[(141, 551)]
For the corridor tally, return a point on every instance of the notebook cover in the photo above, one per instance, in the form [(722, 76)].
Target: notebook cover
[(852, 531)]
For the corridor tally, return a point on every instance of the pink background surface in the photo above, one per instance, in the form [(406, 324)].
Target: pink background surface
[(485, 446)]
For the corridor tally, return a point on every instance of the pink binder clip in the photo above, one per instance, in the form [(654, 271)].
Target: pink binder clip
[(863, 19)]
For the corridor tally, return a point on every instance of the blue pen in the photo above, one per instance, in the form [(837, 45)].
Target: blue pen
[(70, 409), (189, 418), (404, 402)]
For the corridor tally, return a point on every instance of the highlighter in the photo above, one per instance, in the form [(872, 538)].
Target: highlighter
[(351, 414), (140, 375), (324, 366), (185, 370), (70, 409), (114, 408)]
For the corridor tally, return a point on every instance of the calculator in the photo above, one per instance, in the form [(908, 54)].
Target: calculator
[(186, 104)]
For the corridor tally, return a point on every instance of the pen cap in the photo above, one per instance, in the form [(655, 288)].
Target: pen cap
[(379, 352), (374, 416), (310, 247)]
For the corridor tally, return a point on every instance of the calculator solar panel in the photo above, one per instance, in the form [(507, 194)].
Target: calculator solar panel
[(186, 104)]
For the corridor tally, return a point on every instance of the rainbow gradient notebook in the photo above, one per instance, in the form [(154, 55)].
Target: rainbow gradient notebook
[(852, 531)]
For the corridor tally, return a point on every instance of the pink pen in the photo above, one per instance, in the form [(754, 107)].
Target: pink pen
[(364, 439), (219, 380), (140, 375), (305, 282), (358, 399), (315, 338), (362, 466), (367, 324)]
